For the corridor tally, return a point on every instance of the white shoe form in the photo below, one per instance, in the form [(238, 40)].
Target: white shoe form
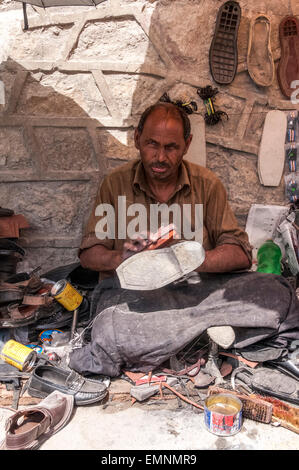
[(224, 336), (153, 269)]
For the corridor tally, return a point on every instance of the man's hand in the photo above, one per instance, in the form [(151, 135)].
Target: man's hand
[(224, 258), (100, 258), (134, 246)]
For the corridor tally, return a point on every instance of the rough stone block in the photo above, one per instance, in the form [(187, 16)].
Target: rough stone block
[(47, 259), (53, 209), (115, 41), (117, 143), (58, 94), (45, 43), (256, 124), (134, 93), (13, 151), (66, 148)]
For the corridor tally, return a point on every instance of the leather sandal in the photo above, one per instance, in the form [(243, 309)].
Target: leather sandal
[(288, 67), (28, 429), (224, 49), (16, 315), (260, 60)]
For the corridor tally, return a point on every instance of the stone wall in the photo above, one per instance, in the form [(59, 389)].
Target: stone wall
[(75, 85)]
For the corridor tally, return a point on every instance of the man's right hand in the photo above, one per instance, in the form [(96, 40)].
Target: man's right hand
[(134, 246)]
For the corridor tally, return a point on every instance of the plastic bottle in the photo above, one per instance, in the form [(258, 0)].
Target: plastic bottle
[(268, 258)]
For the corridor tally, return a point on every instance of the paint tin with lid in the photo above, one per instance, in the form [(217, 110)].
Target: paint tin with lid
[(18, 355), (66, 295), (223, 414)]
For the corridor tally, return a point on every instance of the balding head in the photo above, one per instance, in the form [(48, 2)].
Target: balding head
[(170, 111)]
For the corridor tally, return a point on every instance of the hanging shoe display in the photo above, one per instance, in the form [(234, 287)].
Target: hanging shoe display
[(288, 67), (224, 49), (259, 56)]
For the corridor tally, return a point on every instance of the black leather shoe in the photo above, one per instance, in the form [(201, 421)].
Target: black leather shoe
[(63, 318), (47, 378), (288, 367)]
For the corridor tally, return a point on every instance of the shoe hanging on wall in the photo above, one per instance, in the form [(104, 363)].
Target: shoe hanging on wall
[(260, 60), (288, 67), (224, 48)]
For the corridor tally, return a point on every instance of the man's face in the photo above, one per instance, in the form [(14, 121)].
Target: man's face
[(162, 145)]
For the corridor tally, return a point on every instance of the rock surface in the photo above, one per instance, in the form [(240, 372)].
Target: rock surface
[(75, 84)]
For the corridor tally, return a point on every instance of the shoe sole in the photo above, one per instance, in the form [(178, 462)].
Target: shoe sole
[(257, 65), (288, 67), (38, 394), (142, 271), (223, 53)]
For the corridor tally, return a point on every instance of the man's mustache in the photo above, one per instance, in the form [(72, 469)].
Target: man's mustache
[(159, 165)]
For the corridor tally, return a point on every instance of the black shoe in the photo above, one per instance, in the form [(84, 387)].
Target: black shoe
[(288, 367), (63, 318), (47, 378)]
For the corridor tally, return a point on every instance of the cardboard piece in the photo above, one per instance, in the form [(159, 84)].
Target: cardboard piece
[(197, 150), (271, 156)]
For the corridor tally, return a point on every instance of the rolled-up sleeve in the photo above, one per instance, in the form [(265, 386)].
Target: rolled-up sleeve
[(221, 222)]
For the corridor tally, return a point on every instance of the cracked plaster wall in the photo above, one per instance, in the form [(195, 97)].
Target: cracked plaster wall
[(75, 85)]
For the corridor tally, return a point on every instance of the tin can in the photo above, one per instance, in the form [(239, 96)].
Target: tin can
[(66, 295), (36, 347), (223, 414), (18, 355)]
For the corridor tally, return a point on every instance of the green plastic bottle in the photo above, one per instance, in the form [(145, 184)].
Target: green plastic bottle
[(268, 258)]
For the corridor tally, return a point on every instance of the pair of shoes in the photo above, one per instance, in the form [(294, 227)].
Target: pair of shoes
[(46, 378), (153, 269), (20, 301), (28, 429), (260, 59)]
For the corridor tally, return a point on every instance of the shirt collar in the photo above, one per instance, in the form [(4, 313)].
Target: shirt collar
[(139, 180)]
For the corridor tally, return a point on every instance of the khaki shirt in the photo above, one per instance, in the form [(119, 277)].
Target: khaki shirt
[(195, 185)]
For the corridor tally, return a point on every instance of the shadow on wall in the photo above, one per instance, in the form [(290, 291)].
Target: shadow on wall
[(67, 122), (63, 128)]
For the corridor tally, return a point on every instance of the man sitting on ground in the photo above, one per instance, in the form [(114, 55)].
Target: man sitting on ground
[(139, 330), (162, 176)]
